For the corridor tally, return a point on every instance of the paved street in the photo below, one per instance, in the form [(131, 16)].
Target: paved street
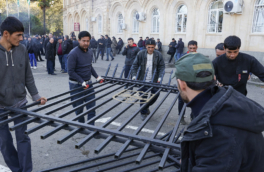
[(47, 153)]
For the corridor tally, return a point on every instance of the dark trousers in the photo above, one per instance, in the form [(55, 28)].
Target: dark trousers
[(94, 54), (78, 103), (41, 50), (17, 160), (61, 62), (38, 56), (151, 102), (100, 50), (171, 58), (65, 59), (127, 69), (119, 49), (50, 66)]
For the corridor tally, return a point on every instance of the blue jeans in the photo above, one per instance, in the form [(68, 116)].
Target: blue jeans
[(65, 58), (50, 66), (109, 52), (100, 51), (17, 160), (127, 69), (78, 103), (32, 59), (61, 62), (177, 56), (151, 102)]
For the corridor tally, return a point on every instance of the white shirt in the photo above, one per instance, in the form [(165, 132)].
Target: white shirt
[(149, 67)]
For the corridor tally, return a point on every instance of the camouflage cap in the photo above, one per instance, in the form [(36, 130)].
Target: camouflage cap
[(190, 65)]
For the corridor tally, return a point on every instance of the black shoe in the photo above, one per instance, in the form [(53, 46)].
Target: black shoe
[(42, 60), (53, 74), (113, 59)]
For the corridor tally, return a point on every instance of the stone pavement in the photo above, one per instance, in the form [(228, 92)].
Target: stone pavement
[(47, 153)]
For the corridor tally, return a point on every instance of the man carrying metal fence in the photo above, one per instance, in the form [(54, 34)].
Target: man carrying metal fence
[(153, 61), (15, 74), (226, 132), (80, 70)]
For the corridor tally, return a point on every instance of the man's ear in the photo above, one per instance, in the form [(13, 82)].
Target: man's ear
[(182, 84)]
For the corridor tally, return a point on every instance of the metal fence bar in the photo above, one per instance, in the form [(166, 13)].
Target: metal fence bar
[(175, 129)]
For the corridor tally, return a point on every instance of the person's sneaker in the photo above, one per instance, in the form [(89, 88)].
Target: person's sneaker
[(144, 116), (113, 59), (35, 67), (107, 60), (183, 122)]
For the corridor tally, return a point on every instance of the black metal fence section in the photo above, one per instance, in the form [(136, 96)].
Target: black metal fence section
[(148, 151)]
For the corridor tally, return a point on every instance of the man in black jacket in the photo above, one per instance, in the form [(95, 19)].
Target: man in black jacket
[(101, 47), (226, 132), (59, 47), (158, 45), (140, 44), (30, 48), (153, 60), (108, 43), (37, 43), (75, 43), (179, 49), (67, 47), (120, 45), (172, 49), (93, 47), (233, 67), (50, 56), (130, 51)]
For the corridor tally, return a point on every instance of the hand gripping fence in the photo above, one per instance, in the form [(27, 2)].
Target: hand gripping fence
[(135, 151)]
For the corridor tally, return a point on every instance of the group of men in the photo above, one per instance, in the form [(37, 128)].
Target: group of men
[(225, 133)]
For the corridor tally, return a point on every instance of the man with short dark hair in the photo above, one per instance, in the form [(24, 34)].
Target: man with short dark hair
[(108, 48), (144, 43), (158, 45), (172, 49), (219, 49), (101, 47), (233, 68), (226, 133), (120, 45), (80, 70), (152, 60), (140, 44), (192, 48), (75, 43), (179, 49), (66, 49), (16, 76), (93, 46), (50, 56), (130, 51), (60, 54)]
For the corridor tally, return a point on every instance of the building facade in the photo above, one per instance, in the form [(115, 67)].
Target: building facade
[(200, 20)]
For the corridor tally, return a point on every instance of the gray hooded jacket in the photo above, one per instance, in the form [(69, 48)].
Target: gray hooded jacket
[(15, 77)]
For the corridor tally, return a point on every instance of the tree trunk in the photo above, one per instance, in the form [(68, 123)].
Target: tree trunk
[(44, 19)]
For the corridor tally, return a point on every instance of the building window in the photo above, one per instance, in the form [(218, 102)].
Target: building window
[(155, 21), (135, 22), (120, 23), (99, 24), (181, 19), (258, 21), (215, 21), (86, 24)]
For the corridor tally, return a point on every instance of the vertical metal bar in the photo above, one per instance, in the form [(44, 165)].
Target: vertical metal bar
[(107, 70), (121, 75), (165, 155), (115, 70)]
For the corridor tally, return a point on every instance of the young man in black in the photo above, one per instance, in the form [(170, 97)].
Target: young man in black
[(233, 68), (80, 70), (226, 132), (101, 47), (130, 51)]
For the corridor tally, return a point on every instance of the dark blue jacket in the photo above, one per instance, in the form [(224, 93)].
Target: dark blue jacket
[(130, 53), (108, 42), (180, 47), (80, 66), (226, 136), (93, 43), (101, 41), (120, 44), (159, 44), (75, 43), (140, 43), (172, 49)]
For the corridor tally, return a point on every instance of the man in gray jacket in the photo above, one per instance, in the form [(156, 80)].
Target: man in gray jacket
[(152, 60), (15, 74)]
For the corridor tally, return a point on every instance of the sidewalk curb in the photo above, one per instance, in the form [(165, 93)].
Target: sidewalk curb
[(255, 83)]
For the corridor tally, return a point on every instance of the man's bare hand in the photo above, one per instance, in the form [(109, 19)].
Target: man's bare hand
[(249, 77), (42, 100), (219, 84)]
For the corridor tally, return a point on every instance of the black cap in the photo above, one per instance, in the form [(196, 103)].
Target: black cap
[(173, 39), (119, 38), (106, 35), (140, 37), (150, 42)]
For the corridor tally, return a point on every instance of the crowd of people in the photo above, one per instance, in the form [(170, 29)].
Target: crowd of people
[(225, 133)]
